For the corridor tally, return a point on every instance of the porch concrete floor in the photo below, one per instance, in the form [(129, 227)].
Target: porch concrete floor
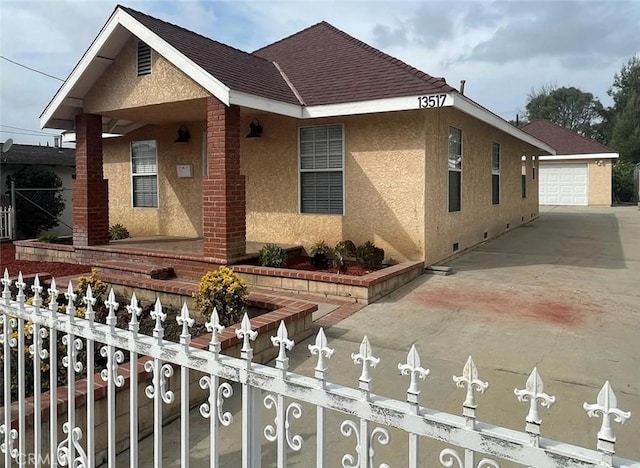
[(560, 294), (179, 245)]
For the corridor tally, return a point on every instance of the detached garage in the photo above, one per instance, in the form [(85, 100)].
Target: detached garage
[(579, 174), (563, 183)]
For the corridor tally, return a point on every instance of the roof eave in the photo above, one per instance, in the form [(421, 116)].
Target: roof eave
[(466, 105)]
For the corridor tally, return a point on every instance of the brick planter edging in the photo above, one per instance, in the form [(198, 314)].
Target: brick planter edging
[(366, 288)]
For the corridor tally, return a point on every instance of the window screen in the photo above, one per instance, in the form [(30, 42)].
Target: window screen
[(321, 169), (455, 169)]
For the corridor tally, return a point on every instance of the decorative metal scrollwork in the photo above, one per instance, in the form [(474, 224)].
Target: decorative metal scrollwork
[(449, 456), (13, 436), (348, 428), (76, 346), (12, 323), (225, 391), (63, 455), (270, 431), (159, 382), (382, 436), (115, 358), (39, 341)]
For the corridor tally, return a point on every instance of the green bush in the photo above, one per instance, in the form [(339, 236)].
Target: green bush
[(49, 238), (272, 255), (118, 231), (622, 173), (224, 290), (341, 252), (369, 256), (319, 255)]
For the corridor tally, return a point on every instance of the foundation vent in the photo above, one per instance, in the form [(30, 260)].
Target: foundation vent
[(455, 247), (485, 235)]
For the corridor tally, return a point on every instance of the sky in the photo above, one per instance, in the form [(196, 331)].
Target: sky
[(503, 49)]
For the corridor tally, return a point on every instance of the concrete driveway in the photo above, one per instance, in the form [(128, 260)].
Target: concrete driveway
[(561, 293)]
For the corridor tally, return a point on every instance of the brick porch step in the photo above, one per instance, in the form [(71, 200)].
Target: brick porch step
[(137, 269)]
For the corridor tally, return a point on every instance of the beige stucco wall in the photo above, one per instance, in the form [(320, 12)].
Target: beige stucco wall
[(119, 87), (384, 183), (180, 199), (477, 214), (600, 183)]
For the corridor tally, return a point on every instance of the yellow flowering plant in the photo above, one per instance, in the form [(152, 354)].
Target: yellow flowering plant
[(224, 290)]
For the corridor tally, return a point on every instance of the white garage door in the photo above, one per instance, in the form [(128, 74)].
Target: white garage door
[(563, 184)]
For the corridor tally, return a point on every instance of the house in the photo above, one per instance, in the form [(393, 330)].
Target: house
[(60, 161), (318, 136), (580, 171)]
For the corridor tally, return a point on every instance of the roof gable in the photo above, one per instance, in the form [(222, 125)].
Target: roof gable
[(563, 140), (236, 69), (328, 66)]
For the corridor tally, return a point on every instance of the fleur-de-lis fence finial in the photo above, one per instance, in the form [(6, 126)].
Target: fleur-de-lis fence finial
[(367, 359), (607, 406), (414, 369), (71, 298), (89, 301), (37, 290), (159, 317), (6, 283), (323, 351), (134, 311), (53, 295), (187, 322), (284, 343), (20, 284), (470, 378), (215, 327), (246, 334), (534, 391), (112, 307)]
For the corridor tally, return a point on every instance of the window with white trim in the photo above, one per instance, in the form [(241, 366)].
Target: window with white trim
[(143, 59), (321, 159), (495, 173), (455, 169), (144, 174), (524, 176)]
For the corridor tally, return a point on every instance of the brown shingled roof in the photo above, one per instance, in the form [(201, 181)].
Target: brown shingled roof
[(238, 70), (563, 140), (327, 66), (35, 155)]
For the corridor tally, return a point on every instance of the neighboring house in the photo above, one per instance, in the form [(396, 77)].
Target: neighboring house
[(579, 173), (60, 161), (346, 143)]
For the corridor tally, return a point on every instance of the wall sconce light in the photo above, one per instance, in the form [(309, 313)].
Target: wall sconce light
[(599, 162), (255, 129), (183, 135)]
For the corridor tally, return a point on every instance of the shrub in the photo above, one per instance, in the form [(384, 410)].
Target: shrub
[(319, 253), (369, 256), (622, 173), (49, 238), (118, 231), (224, 290), (272, 255), (342, 250), (98, 288)]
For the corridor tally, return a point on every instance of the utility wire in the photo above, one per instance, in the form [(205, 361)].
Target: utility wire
[(43, 135), (29, 68), (27, 130)]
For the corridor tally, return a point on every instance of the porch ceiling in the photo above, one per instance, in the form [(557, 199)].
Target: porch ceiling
[(157, 114)]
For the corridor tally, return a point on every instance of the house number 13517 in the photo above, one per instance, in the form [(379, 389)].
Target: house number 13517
[(426, 102)]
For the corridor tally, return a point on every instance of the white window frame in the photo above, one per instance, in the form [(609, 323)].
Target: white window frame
[(523, 176), (146, 174), (300, 171), (138, 59), (449, 169), (495, 171)]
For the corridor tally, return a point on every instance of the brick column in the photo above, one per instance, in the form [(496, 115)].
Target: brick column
[(90, 189), (223, 191)]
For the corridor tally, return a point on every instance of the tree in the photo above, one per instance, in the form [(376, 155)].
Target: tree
[(571, 108), (37, 211), (622, 173), (624, 124)]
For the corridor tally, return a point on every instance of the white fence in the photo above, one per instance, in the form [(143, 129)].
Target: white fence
[(6, 222), (368, 417)]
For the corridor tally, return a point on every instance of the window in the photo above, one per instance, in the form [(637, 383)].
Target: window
[(495, 173), (144, 59), (455, 168), (533, 167), (144, 174), (524, 176), (321, 169)]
